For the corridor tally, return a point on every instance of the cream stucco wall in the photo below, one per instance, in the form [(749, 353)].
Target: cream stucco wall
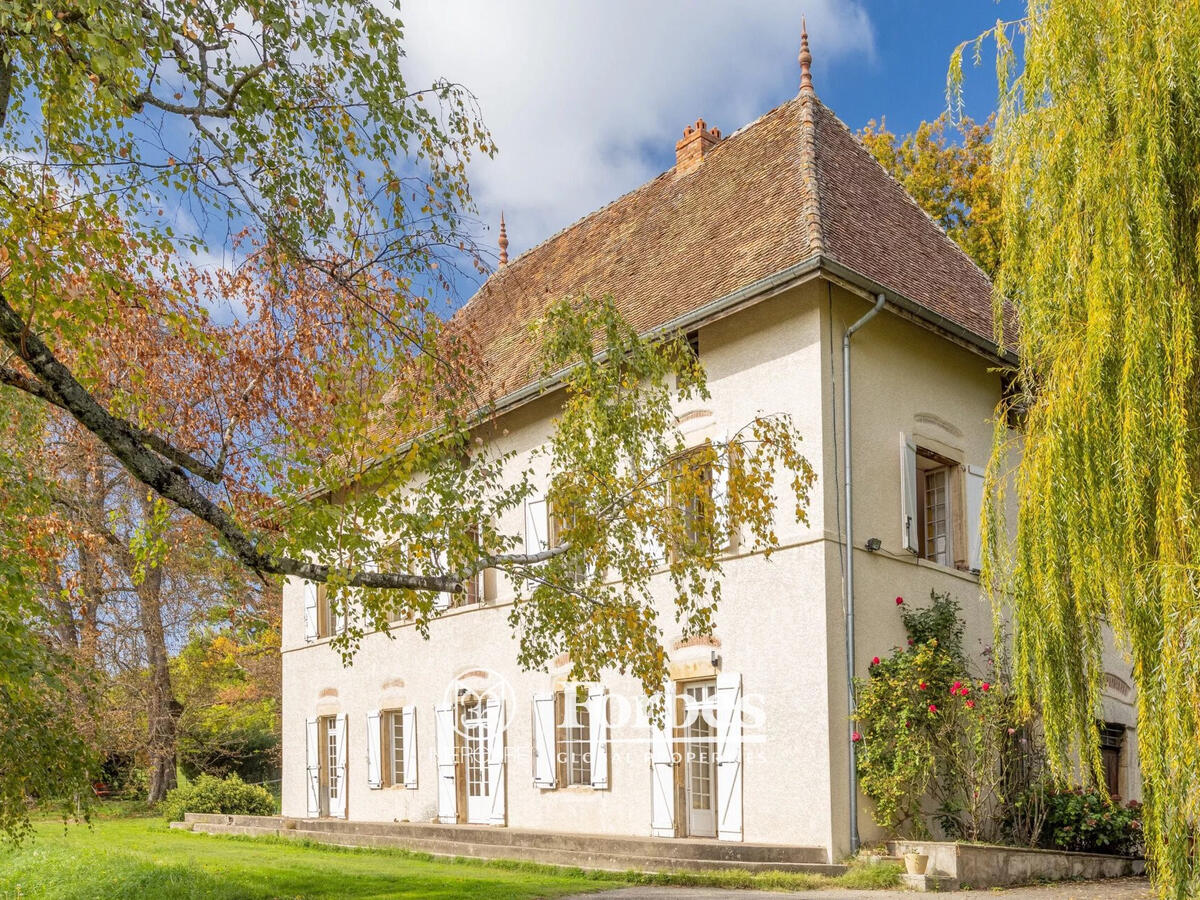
[(906, 380), (781, 621), (771, 630)]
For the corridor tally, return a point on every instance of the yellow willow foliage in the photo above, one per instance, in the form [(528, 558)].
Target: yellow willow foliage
[(1098, 136)]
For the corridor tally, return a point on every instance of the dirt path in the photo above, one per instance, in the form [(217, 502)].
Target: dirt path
[(1113, 889)]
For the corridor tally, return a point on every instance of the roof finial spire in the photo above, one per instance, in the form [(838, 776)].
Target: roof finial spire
[(805, 57), (503, 241)]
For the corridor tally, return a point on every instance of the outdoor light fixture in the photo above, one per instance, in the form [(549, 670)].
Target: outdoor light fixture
[(715, 658), (874, 544)]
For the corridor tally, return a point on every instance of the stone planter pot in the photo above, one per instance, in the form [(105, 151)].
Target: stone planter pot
[(916, 863)]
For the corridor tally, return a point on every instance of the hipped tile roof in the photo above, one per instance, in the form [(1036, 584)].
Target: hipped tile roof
[(791, 186)]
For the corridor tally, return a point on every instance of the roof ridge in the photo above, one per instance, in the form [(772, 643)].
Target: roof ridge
[(811, 210), (904, 191)]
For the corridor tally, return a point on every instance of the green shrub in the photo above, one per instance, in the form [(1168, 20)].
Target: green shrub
[(209, 794), (934, 733), (1088, 821)]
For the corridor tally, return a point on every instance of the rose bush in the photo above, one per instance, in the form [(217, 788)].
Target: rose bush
[(932, 732)]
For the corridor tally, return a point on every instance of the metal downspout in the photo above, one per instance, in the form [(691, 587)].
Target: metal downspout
[(849, 579)]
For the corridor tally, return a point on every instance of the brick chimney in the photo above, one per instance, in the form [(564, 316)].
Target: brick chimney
[(690, 150)]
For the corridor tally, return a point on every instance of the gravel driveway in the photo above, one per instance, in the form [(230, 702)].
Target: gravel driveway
[(1112, 889)]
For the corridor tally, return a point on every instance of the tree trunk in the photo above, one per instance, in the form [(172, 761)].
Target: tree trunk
[(162, 709)]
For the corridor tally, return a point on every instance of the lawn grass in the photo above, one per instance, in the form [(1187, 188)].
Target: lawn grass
[(141, 857)]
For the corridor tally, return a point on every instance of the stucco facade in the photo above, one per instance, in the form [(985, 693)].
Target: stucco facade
[(765, 246), (780, 626)]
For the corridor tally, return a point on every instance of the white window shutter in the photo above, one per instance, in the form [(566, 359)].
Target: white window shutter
[(908, 495), (374, 750), (342, 616), (312, 757), (408, 726), (650, 544), (662, 770), (544, 743), (441, 600), (729, 756), (974, 511), (720, 495), (495, 760), (337, 805), (537, 526), (310, 611), (597, 707), (447, 793)]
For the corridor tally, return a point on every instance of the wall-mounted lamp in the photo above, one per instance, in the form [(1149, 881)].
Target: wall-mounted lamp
[(715, 658), (874, 544)]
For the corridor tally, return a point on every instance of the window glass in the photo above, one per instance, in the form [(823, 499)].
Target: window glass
[(937, 516), (394, 723), (577, 747)]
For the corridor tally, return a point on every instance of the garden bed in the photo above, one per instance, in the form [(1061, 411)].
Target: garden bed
[(991, 865)]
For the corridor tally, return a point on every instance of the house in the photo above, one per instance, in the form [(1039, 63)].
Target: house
[(764, 246)]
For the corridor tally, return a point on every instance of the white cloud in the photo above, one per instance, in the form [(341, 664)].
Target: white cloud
[(586, 100)]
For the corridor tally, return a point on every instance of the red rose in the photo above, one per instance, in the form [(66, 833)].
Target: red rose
[(874, 660), (970, 704), (910, 643), (856, 737), (956, 687), (933, 707), (899, 600), (922, 685), (985, 687)]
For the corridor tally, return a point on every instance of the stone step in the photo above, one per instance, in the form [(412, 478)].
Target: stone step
[(597, 857), (620, 844), (674, 848)]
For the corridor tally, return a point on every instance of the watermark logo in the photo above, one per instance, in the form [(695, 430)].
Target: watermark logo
[(483, 698), (480, 696)]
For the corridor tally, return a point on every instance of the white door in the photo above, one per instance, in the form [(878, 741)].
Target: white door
[(335, 736), (312, 759), (700, 775), (475, 764), (447, 787), (662, 770)]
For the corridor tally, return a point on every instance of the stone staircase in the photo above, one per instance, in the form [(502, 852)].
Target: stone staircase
[(586, 851)]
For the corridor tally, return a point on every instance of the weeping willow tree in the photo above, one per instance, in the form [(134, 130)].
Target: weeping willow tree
[(1098, 137)]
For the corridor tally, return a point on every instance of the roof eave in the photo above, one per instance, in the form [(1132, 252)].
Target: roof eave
[(764, 288), (922, 315)]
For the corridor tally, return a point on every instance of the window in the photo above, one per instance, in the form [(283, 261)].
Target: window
[(1112, 739), (692, 489), (332, 763), (942, 505), (393, 742), (472, 592), (560, 523), (570, 738), (330, 622), (936, 534), (937, 486), (577, 751)]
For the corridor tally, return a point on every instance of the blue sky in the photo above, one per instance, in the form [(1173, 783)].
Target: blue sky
[(586, 100)]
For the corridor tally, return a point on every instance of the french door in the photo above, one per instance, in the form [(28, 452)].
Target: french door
[(475, 737), (700, 773)]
